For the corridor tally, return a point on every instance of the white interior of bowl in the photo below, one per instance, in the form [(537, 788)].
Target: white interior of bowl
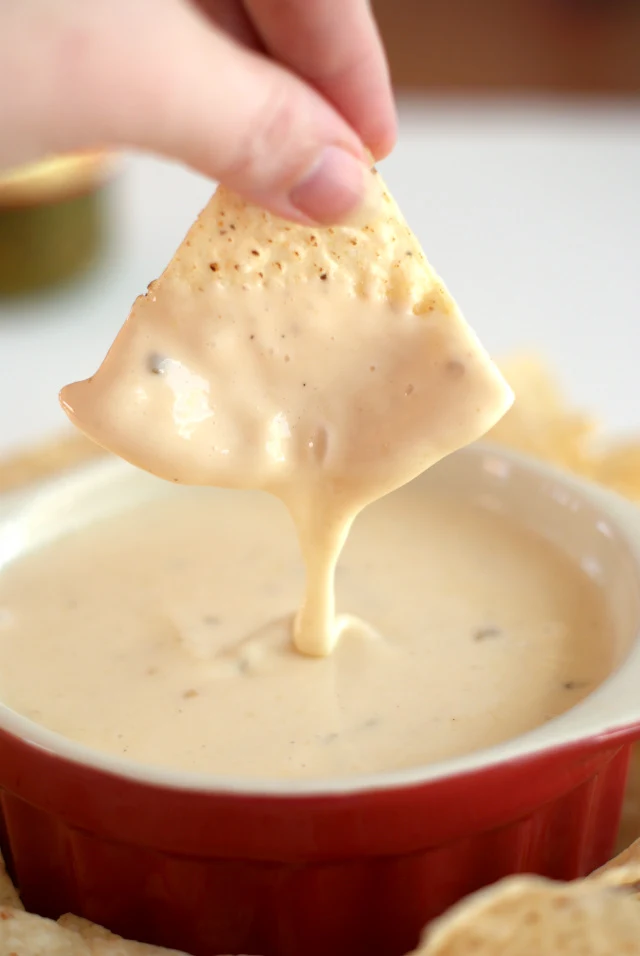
[(597, 530)]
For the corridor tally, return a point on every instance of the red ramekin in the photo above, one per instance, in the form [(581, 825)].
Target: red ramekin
[(351, 867)]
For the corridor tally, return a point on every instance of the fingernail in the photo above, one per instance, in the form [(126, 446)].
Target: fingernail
[(333, 189)]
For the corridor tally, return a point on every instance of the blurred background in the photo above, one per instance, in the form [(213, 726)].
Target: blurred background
[(518, 166), (531, 46)]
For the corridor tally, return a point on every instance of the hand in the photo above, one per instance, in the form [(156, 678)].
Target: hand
[(275, 98)]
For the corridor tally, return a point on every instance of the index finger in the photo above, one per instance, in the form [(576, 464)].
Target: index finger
[(335, 46)]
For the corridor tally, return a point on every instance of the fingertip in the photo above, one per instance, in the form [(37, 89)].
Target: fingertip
[(377, 120), (372, 112), (332, 189), (383, 140)]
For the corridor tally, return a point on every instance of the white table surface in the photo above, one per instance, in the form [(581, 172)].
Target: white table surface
[(530, 213)]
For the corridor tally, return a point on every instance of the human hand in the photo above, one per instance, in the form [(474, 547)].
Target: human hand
[(278, 99)]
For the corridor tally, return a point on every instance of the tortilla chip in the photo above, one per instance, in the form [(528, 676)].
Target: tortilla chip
[(8, 893), (22, 934), (628, 860), (620, 877), (233, 244), (540, 421), (530, 916), (91, 931), (46, 460), (85, 927), (189, 314), (618, 468), (630, 823)]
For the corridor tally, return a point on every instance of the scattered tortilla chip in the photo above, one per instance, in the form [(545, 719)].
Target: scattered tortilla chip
[(620, 877), (85, 927), (622, 871), (91, 931), (8, 893), (540, 422), (46, 460), (530, 916), (618, 468), (22, 934), (630, 822), (628, 860)]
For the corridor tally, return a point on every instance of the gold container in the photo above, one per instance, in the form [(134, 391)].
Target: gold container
[(51, 220)]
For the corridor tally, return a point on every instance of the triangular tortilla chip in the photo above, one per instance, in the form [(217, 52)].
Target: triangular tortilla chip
[(226, 370)]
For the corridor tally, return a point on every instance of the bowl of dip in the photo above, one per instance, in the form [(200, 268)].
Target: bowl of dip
[(171, 769)]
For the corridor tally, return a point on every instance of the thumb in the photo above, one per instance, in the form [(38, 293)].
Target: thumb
[(159, 76)]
